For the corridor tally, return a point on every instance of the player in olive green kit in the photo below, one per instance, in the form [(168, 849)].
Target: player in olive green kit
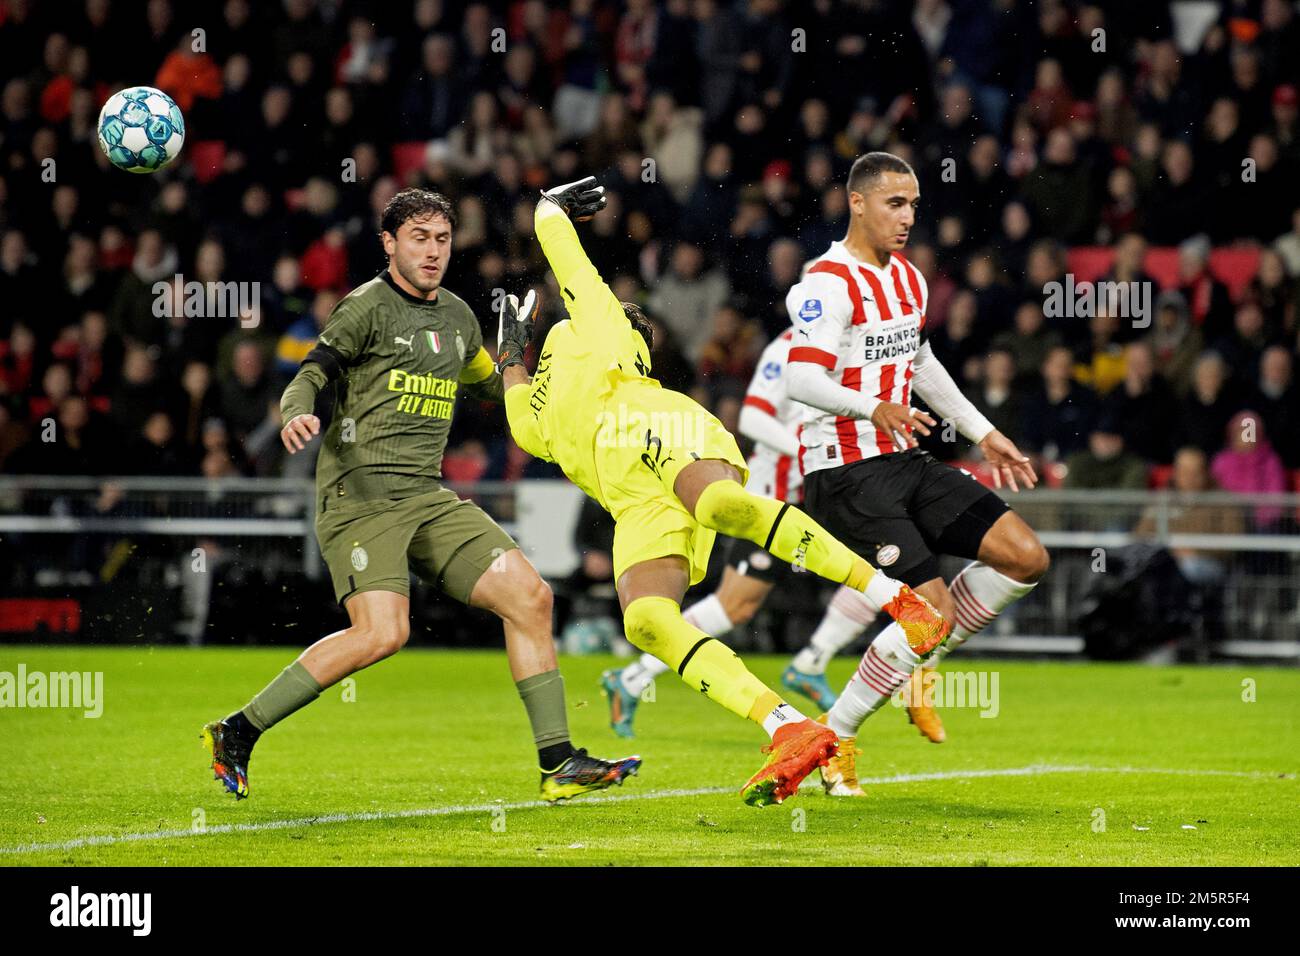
[(400, 348)]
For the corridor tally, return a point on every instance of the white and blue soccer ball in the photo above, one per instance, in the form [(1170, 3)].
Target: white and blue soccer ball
[(141, 129)]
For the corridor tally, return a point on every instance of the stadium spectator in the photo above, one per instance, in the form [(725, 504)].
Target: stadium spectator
[(1121, 212), (1128, 267), (155, 450), (1060, 413), (1144, 405), (999, 398), (1278, 400), (73, 442), (1288, 246), (56, 385), (1059, 192), (1100, 363), (1178, 202), (199, 405), (1242, 347), (141, 390), (727, 358), (1250, 465), (957, 344), (784, 265), (1285, 127), (1205, 568), (1275, 293), (435, 97), (1175, 344), (1208, 405), (1207, 298), (245, 394), (1105, 463), (188, 74), (687, 297)]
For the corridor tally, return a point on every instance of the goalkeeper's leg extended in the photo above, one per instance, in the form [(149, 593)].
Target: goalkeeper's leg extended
[(711, 491), (650, 592)]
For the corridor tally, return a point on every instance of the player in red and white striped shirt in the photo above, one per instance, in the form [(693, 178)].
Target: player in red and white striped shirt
[(858, 354), (771, 420)]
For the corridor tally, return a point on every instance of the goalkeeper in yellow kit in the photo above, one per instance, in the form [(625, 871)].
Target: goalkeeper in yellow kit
[(672, 477)]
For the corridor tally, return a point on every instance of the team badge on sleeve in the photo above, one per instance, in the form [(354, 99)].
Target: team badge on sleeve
[(811, 309)]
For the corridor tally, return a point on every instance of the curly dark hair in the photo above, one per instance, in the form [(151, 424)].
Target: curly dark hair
[(415, 204)]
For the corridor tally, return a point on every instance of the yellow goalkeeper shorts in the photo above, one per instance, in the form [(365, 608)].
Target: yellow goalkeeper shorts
[(644, 440)]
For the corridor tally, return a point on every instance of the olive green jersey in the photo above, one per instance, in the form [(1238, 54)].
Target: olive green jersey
[(401, 362)]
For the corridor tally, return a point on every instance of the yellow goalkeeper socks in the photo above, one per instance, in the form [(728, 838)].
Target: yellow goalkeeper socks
[(656, 626), (784, 530)]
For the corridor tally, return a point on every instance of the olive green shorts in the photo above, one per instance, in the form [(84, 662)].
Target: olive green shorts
[(374, 545)]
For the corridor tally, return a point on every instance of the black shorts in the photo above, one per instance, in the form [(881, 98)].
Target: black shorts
[(901, 511), (753, 562)]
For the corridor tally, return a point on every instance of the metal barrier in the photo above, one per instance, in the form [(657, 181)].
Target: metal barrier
[(1247, 548)]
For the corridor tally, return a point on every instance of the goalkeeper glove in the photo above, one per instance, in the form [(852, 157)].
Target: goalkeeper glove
[(515, 328), (580, 200)]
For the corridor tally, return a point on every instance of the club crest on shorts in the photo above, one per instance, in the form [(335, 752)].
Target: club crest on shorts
[(760, 560), (887, 555), (360, 559)]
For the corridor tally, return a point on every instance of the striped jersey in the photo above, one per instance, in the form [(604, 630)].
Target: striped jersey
[(772, 474), (864, 325)]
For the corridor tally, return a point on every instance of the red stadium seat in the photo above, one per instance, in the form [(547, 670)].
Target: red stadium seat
[(407, 158), (1234, 267), (1053, 474), (207, 156), (1159, 476)]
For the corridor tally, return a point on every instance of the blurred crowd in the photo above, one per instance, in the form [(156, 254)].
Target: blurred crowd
[(723, 132)]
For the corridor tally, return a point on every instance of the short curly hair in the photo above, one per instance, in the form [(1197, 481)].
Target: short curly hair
[(415, 204)]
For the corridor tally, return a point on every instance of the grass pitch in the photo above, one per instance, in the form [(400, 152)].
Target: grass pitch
[(431, 763)]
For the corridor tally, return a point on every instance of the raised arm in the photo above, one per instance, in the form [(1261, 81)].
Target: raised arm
[(591, 304)]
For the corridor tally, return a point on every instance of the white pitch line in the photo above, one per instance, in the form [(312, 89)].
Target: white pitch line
[(301, 822)]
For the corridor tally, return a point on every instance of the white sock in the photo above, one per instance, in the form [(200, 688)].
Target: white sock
[(846, 617), (708, 615), (882, 589), (781, 715), (884, 668), (979, 595), (640, 674)]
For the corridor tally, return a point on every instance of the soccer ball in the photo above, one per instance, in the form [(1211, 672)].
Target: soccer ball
[(141, 129)]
